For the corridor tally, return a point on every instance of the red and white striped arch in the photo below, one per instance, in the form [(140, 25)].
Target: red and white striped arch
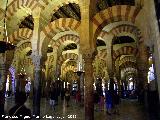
[(126, 50), (20, 34), (124, 29), (114, 14), (127, 58), (15, 5), (67, 56), (57, 26), (23, 46), (64, 38)]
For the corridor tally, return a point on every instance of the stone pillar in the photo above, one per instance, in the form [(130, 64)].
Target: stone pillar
[(89, 90), (118, 73), (110, 65), (142, 65), (55, 69), (37, 84), (82, 87), (3, 78)]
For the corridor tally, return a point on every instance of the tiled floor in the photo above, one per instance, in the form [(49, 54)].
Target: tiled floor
[(129, 110)]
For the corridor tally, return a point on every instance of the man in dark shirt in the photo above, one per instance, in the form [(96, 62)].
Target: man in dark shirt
[(20, 110)]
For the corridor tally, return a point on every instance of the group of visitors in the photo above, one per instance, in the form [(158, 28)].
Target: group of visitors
[(64, 93), (111, 101)]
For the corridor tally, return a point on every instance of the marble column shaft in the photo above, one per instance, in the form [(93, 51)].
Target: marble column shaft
[(89, 80), (82, 87), (142, 64), (37, 85)]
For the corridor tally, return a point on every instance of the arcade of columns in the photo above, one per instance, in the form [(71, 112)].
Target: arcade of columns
[(105, 25)]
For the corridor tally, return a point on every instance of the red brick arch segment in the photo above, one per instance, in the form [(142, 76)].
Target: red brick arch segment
[(17, 4), (64, 38), (126, 50), (114, 14), (20, 34)]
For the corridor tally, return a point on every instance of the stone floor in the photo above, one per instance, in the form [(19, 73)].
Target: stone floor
[(129, 110)]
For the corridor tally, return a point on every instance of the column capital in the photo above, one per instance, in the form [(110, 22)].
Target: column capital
[(36, 59), (36, 12), (89, 55)]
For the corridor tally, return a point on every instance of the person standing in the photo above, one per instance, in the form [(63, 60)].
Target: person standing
[(101, 103), (52, 97), (20, 110), (109, 102), (28, 88), (116, 101), (67, 97)]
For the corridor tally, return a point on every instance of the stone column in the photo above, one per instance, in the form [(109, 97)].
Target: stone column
[(55, 69), (82, 87), (110, 64), (3, 78), (37, 84), (89, 90), (142, 65), (118, 75)]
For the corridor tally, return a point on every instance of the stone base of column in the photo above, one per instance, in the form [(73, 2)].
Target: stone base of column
[(36, 103), (37, 93), (89, 105)]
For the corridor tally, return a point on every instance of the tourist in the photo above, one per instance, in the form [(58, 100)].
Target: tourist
[(28, 88), (116, 102), (20, 110), (109, 102), (101, 103), (67, 97), (52, 97)]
